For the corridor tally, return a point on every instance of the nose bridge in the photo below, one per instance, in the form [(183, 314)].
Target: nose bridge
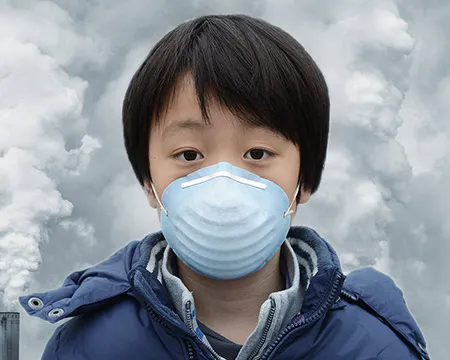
[(227, 154), (225, 144)]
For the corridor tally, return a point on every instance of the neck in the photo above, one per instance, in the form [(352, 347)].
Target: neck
[(219, 303)]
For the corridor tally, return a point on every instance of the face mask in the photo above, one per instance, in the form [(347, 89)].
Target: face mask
[(224, 222)]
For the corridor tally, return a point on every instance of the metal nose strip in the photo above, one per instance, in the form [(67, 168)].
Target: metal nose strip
[(240, 179)]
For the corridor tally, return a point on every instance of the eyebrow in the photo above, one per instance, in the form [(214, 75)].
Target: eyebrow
[(185, 124)]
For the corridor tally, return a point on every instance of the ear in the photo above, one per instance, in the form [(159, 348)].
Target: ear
[(151, 198), (303, 196)]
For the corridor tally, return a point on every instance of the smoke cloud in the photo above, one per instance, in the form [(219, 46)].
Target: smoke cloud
[(39, 103), (68, 197)]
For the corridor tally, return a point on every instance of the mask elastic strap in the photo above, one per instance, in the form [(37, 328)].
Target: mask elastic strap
[(291, 211), (157, 199)]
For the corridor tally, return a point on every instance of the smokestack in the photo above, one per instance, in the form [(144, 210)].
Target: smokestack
[(9, 335)]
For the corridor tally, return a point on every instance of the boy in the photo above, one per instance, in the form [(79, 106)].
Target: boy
[(226, 127)]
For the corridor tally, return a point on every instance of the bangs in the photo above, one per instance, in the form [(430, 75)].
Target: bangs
[(252, 76)]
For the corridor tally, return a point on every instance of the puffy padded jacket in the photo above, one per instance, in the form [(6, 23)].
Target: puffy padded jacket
[(121, 311)]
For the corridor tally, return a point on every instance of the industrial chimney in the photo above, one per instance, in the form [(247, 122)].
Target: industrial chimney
[(9, 335)]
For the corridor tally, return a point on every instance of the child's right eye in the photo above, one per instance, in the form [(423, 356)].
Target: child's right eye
[(188, 155)]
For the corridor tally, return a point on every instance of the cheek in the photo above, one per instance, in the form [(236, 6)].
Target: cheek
[(161, 172), (287, 178)]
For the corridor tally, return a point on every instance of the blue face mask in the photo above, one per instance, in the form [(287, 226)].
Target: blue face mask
[(224, 222)]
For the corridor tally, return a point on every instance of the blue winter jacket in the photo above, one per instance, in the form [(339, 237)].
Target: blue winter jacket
[(121, 311)]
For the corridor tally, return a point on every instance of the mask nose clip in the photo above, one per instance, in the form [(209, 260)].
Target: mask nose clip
[(289, 211)]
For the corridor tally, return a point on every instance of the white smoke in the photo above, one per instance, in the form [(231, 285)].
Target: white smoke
[(366, 167), (39, 103), (422, 249), (384, 198)]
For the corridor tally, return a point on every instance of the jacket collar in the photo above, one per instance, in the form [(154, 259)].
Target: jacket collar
[(329, 270), (126, 272)]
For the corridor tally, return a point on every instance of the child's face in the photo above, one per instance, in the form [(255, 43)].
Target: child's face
[(183, 144)]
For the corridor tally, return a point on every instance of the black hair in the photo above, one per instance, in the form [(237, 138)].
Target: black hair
[(255, 69)]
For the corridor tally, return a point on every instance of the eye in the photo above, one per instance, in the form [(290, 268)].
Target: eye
[(188, 156), (258, 154)]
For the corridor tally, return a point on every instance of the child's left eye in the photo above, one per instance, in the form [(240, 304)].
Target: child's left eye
[(258, 154)]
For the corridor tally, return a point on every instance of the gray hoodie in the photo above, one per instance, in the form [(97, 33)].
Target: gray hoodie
[(300, 262)]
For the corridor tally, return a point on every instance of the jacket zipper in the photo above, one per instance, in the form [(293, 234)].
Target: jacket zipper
[(188, 313), (305, 321), (349, 296), (159, 319), (263, 338), (191, 354)]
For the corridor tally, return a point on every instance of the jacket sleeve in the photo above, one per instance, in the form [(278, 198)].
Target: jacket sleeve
[(51, 349)]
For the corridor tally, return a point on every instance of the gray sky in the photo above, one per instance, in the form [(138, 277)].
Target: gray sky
[(69, 199)]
